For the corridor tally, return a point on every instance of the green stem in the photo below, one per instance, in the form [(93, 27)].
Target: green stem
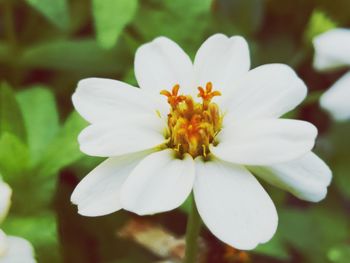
[(192, 232)]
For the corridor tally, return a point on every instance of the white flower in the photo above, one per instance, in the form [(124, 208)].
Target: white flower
[(207, 139), (332, 50), (12, 249), (5, 200)]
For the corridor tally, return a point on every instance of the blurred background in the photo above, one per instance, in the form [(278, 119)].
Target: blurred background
[(47, 46)]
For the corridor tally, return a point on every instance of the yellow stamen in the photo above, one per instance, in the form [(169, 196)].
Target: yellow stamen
[(193, 125)]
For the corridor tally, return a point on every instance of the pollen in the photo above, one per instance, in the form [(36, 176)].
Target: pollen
[(192, 126)]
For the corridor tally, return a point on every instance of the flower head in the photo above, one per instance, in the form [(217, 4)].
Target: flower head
[(332, 50), (204, 126), (12, 249)]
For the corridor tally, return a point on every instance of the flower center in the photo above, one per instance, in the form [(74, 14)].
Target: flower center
[(193, 125)]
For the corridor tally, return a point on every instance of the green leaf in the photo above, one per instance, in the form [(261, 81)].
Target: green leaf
[(110, 17), (40, 117), (339, 254), (341, 174), (319, 23), (190, 7), (40, 230), (78, 55), (339, 156), (175, 19), (313, 232), (11, 119), (30, 186), (14, 157), (64, 149), (274, 248), (55, 11)]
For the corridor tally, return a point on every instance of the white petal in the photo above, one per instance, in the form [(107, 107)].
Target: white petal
[(5, 199), (159, 183), (264, 142), (3, 243), (332, 49), (99, 192), (307, 177), (267, 91), (337, 99), (127, 135), (98, 99), (161, 64), (19, 250), (222, 60), (233, 205)]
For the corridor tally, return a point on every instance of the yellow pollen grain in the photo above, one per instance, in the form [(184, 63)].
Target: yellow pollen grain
[(193, 125)]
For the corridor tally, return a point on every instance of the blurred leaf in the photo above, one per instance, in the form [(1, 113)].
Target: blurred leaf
[(72, 55), (313, 232), (339, 151), (14, 157), (338, 11), (40, 230), (110, 17), (85, 164), (244, 15), (11, 119), (313, 97), (339, 254), (31, 228), (318, 24), (64, 149), (175, 19), (274, 248), (40, 117), (55, 11), (4, 52), (341, 171), (190, 7), (14, 166), (279, 48), (80, 14)]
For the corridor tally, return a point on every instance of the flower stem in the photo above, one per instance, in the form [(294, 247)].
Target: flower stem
[(192, 232)]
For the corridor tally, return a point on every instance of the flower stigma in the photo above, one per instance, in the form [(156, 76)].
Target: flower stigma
[(192, 126)]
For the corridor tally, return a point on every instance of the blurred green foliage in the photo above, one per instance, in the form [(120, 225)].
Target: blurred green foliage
[(47, 46), (108, 25), (318, 24)]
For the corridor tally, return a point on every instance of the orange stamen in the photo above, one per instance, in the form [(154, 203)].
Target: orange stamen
[(208, 94), (173, 98)]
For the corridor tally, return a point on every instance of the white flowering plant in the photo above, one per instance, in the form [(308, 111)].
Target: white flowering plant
[(174, 131)]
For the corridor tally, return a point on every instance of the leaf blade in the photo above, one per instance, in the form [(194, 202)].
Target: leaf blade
[(110, 18)]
